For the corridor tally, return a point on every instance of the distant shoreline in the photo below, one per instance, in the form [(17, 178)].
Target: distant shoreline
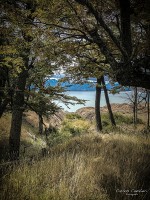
[(120, 98)]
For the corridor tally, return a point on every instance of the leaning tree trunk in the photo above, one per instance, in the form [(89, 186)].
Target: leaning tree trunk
[(17, 112), (112, 119), (97, 105)]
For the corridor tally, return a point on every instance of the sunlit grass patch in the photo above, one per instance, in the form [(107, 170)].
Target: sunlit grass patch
[(72, 126)]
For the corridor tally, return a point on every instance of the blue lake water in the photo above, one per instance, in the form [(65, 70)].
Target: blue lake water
[(90, 97)]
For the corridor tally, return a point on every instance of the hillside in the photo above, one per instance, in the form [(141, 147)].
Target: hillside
[(74, 162)]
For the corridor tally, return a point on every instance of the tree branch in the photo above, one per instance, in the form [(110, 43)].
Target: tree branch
[(99, 19)]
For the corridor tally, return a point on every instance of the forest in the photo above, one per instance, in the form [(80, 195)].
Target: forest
[(95, 153)]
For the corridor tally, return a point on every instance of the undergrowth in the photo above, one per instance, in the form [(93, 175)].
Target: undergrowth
[(73, 125)]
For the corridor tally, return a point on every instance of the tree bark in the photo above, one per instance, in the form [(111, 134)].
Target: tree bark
[(97, 105), (148, 111), (111, 116), (4, 105), (17, 112), (135, 107), (4, 100), (40, 124), (126, 26)]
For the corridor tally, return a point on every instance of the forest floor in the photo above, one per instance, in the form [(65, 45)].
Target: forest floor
[(75, 162)]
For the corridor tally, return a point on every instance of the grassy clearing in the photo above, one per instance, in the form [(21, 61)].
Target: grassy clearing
[(80, 163), (91, 167)]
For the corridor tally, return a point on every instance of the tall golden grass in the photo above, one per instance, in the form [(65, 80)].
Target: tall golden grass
[(88, 167)]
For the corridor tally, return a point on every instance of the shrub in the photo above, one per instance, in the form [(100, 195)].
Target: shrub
[(73, 116), (119, 118), (57, 137), (125, 119), (75, 127)]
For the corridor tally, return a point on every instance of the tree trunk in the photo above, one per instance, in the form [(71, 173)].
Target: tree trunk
[(126, 26), (40, 124), (148, 97), (3, 106), (97, 105), (135, 107), (108, 103), (3, 79), (17, 112)]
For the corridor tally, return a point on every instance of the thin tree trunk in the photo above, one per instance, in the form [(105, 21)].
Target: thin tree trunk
[(40, 124), (112, 119), (135, 107), (97, 105), (17, 112), (148, 111), (134, 114)]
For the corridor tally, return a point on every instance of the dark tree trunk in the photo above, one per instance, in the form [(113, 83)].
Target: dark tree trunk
[(4, 105), (125, 72), (148, 111), (97, 105), (108, 103), (17, 112), (135, 107), (126, 26), (40, 124), (18, 101), (3, 100)]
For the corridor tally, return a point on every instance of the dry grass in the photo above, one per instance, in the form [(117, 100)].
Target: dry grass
[(85, 165), (89, 167), (5, 122), (31, 143)]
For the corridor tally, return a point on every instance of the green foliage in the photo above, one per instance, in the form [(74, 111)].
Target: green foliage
[(56, 137), (125, 119), (72, 116), (119, 118), (73, 130), (73, 125)]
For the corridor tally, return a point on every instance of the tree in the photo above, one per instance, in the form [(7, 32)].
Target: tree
[(97, 105), (108, 25), (18, 99), (108, 103), (29, 42), (137, 97), (85, 59), (148, 110)]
